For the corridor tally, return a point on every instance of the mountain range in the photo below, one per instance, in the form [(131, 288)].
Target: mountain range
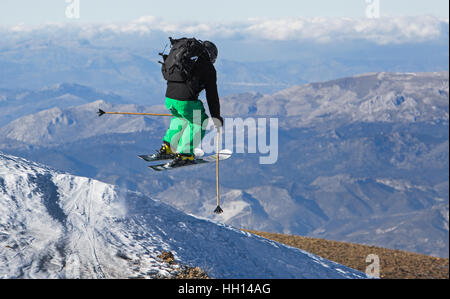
[(123, 59), (361, 159)]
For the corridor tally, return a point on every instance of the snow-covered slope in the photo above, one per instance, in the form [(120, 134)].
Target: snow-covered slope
[(55, 225)]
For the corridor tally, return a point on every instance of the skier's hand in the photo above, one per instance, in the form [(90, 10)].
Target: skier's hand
[(218, 122)]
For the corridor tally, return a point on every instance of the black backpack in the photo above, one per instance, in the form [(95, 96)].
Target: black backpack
[(179, 64)]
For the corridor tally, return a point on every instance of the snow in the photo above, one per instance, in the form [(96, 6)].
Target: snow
[(56, 225)]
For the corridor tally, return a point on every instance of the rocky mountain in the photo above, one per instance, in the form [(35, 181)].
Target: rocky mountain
[(56, 225), (367, 98), (126, 61), (58, 125), (361, 159), (17, 103)]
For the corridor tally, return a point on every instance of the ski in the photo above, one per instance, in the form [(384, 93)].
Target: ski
[(148, 158), (223, 155)]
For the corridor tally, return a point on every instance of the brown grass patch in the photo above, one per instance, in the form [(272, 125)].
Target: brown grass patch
[(185, 272), (394, 264)]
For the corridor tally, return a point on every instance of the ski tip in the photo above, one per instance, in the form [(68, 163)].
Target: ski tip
[(199, 153), (225, 154), (143, 157), (157, 168)]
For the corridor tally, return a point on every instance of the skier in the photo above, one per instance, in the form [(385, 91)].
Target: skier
[(186, 128)]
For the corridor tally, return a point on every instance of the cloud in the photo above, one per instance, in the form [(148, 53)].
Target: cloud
[(380, 31), (385, 30)]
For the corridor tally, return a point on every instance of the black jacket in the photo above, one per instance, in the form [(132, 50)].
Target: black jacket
[(206, 79)]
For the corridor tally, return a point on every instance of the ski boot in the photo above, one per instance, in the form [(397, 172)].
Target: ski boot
[(164, 153), (181, 160)]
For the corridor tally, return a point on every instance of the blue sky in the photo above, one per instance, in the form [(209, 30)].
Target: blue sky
[(33, 12)]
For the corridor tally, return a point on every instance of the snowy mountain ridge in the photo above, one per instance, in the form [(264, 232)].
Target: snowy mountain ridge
[(55, 225), (356, 139), (372, 97), (59, 125)]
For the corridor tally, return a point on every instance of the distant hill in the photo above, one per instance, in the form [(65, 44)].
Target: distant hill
[(15, 103), (126, 63)]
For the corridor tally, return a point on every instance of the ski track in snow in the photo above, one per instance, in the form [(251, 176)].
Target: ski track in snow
[(55, 225)]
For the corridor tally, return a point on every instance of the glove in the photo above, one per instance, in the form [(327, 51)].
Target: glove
[(218, 122)]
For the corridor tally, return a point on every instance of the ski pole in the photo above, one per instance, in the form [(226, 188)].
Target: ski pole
[(218, 210), (101, 112)]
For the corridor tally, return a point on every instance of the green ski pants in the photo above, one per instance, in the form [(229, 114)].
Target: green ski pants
[(186, 131)]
